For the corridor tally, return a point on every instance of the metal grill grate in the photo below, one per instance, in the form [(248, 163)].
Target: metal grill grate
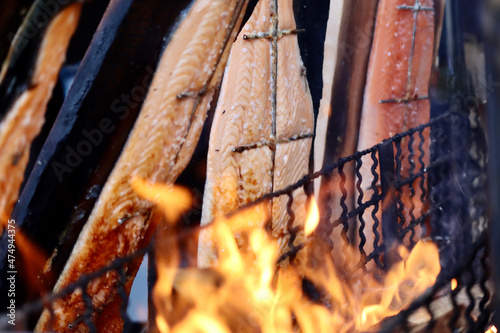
[(450, 210)]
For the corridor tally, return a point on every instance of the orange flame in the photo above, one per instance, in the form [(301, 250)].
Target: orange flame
[(312, 218), (172, 199), (197, 321), (35, 259), (492, 329), (246, 291), (454, 284), (408, 278)]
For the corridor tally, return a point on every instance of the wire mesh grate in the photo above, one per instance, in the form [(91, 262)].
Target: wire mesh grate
[(408, 195)]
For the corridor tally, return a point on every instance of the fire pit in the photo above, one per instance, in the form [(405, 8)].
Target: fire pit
[(458, 298), (396, 237)]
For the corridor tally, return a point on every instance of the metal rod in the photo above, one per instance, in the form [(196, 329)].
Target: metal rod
[(389, 206), (271, 144)]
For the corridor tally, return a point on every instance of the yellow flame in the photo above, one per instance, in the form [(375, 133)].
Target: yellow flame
[(454, 284), (408, 278), (198, 321), (173, 200), (247, 219), (492, 329), (162, 324), (246, 291), (312, 218)]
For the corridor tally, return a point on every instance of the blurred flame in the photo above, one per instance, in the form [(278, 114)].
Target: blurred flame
[(162, 325), (492, 329), (35, 260), (197, 321), (312, 218), (408, 278), (248, 291), (454, 284), (172, 199)]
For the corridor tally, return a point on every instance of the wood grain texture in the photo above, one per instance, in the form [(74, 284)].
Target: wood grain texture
[(347, 52), (258, 106), (332, 45), (158, 149)]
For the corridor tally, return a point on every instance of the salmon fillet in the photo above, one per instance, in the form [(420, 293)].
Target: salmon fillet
[(25, 119), (261, 135), (397, 84), (159, 147)]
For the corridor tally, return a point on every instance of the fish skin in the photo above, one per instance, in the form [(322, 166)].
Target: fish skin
[(244, 116), (162, 141), (26, 116), (388, 79)]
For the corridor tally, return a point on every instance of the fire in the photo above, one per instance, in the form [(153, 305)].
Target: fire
[(454, 284), (35, 256), (492, 329), (173, 200), (246, 290), (412, 276), (312, 218)]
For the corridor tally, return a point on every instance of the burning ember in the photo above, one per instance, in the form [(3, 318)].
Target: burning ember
[(248, 291)]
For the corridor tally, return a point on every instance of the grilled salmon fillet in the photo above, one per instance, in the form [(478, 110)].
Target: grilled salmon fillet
[(159, 147), (397, 86), (261, 135)]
